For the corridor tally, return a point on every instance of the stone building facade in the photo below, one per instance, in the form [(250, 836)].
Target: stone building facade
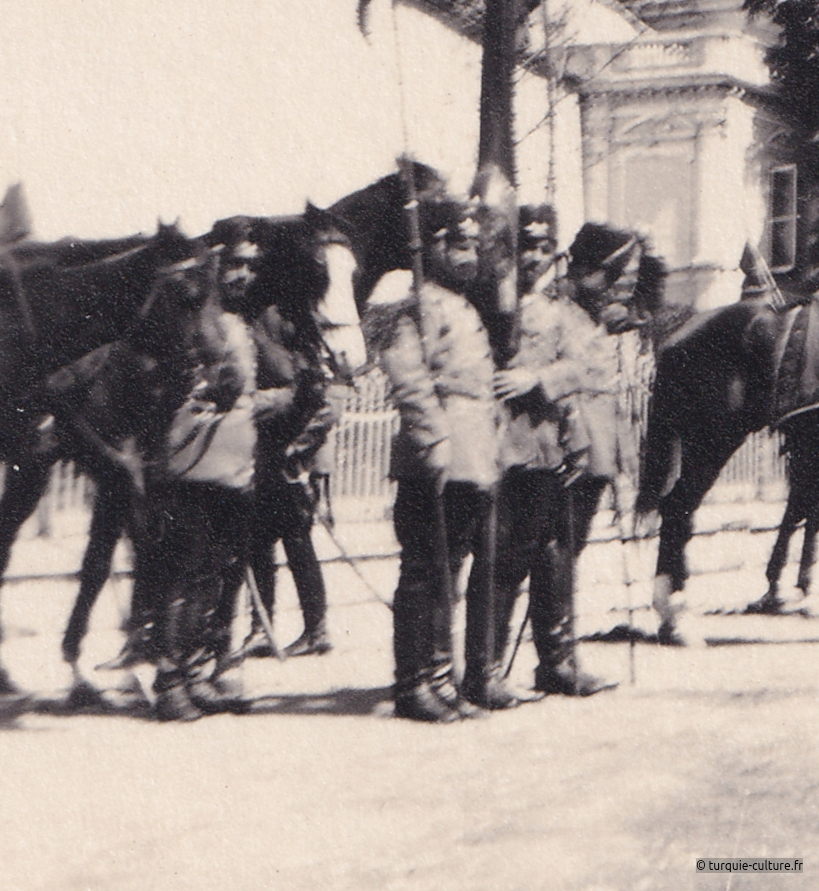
[(664, 120), (681, 138)]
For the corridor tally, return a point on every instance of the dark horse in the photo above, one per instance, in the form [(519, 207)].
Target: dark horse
[(108, 397), (377, 215), (723, 375), (52, 314), (115, 388)]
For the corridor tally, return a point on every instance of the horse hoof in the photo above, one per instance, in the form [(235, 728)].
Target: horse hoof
[(83, 696), (7, 686), (174, 704), (11, 707), (213, 697), (768, 605), (129, 699), (669, 636)]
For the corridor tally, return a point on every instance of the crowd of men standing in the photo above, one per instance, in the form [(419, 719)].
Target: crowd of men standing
[(487, 461), (504, 447)]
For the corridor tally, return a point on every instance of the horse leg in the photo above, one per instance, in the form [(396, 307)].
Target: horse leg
[(770, 602), (698, 472), (801, 443), (26, 481), (107, 523), (808, 553)]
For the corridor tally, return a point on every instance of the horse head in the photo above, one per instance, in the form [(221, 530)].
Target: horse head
[(336, 312), (183, 284), (380, 228), (613, 275), (304, 266)]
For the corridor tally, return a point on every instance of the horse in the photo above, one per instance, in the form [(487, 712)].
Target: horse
[(71, 251), (377, 216), (719, 378), (111, 397), (290, 256)]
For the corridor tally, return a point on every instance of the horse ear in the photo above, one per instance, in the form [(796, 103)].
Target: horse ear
[(164, 228), (314, 215)]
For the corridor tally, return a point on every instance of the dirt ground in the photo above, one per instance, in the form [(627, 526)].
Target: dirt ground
[(710, 753)]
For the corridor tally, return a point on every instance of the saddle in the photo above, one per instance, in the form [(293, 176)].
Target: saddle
[(796, 366)]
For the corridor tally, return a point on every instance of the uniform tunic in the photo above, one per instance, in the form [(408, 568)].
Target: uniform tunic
[(441, 383)]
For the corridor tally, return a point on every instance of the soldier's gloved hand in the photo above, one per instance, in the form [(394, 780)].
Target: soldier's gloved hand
[(616, 318), (514, 382), (437, 459)]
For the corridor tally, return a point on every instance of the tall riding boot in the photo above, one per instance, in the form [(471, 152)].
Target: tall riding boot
[(483, 683), (263, 567), (173, 702), (307, 576), (414, 695), (420, 605), (413, 629), (551, 594)]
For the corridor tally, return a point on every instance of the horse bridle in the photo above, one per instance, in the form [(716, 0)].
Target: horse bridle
[(161, 277), (326, 356)]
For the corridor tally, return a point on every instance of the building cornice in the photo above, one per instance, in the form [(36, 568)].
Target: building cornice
[(677, 85)]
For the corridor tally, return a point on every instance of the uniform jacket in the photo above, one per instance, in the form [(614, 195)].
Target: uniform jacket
[(574, 413), (212, 436), (292, 412), (441, 384)]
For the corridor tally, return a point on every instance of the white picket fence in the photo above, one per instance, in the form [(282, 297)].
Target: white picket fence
[(360, 486)]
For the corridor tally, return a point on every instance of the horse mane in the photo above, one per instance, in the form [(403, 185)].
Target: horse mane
[(389, 189), (288, 274), (71, 251)]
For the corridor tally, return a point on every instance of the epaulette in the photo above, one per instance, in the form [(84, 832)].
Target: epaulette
[(380, 322)]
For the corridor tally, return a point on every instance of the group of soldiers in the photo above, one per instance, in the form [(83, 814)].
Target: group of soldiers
[(490, 462), (506, 464), (503, 457)]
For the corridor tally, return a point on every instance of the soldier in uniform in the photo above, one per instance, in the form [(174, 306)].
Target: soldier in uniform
[(552, 457), (435, 351), (294, 419), (196, 533)]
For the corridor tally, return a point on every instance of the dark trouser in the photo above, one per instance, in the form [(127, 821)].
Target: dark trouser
[(284, 512), (542, 527), (195, 542), (422, 627)]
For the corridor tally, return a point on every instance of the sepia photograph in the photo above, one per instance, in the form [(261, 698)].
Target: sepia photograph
[(409, 445)]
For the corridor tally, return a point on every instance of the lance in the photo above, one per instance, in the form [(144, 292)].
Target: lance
[(412, 215)]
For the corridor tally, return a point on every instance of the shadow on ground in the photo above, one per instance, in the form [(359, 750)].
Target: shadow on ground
[(346, 701)]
